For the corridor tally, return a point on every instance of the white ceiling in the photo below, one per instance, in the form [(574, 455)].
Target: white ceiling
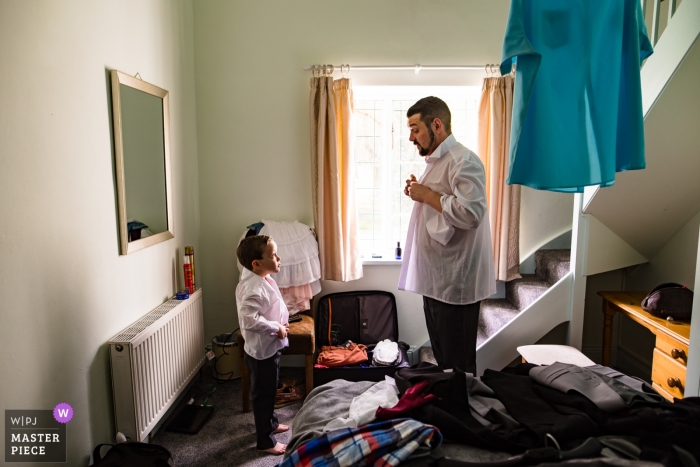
[(646, 208)]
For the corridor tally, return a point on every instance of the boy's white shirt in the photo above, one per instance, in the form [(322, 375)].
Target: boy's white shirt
[(261, 313)]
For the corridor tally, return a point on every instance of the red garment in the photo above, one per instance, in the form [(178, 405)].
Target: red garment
[(340, 356), (411, 399)]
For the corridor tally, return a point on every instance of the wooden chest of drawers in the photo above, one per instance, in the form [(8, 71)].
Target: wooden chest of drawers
[(672, 339)]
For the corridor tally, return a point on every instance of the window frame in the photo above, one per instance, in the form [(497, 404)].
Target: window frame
[(390, 94)]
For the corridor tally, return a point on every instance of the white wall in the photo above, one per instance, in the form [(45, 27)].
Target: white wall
[(252, 110), (675, 262), (544, 216), (65, 289)]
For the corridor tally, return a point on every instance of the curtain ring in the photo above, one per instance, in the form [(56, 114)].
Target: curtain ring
[(345, 69), (494, 69), (328, 70)]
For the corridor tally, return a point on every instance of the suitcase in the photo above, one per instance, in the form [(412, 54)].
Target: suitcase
[(364, 317)]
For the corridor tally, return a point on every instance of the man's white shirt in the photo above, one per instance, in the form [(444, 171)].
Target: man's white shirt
[(448, 256)]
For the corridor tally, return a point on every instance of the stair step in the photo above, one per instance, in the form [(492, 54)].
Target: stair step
[(425, 354), (552, 265), (493, 316), (522, 292)]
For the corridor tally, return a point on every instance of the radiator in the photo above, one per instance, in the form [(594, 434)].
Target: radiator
[(152, 362)]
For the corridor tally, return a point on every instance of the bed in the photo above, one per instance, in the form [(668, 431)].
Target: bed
[(333, 400)]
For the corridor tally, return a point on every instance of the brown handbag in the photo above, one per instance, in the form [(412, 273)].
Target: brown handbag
[(669, 299)]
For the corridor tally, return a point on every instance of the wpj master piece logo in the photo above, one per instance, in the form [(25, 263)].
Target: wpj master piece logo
[(37, 435)]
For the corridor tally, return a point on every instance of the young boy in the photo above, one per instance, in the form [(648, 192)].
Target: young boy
[(264, 322)]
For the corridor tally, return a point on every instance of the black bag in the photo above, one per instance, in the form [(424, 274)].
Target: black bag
[(363, 317), (669, 299), (133, 454)]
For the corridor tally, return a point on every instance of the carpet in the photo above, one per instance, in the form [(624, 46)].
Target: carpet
[(228, 437)]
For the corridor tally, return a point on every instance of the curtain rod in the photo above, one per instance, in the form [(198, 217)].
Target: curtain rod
[(329, 69)]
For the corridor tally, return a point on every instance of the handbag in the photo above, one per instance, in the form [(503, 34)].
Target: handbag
[(669, 300), (133, 454)]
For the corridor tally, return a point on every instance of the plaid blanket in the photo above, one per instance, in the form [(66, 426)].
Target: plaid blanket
[(386, 443)]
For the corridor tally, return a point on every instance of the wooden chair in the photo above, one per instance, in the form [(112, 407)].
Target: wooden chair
[(302, 341)]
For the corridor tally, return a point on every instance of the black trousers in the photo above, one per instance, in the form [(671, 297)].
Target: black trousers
[(264, 377), (452, 330)]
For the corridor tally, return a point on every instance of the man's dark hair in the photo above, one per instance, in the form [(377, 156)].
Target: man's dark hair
[(252, 248), (431, 108)]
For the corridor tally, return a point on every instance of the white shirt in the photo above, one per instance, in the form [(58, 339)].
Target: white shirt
[(448, 255), (261, 313)]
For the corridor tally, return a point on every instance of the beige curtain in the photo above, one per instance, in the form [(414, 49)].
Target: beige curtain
[(332, 175), (495, 114)]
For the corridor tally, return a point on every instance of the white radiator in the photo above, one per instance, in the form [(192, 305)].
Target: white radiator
[(152, 362)]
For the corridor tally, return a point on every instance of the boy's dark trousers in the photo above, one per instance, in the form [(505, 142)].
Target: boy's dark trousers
[(264, 376)]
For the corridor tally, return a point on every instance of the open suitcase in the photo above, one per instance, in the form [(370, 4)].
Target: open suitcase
[(364, 317)]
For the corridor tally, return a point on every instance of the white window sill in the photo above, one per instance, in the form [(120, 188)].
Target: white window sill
[(381, 262)]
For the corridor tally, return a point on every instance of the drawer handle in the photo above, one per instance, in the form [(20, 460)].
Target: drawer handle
[(674, 383), (678, 353)]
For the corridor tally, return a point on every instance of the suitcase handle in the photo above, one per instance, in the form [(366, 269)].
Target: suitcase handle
[(330, 320)]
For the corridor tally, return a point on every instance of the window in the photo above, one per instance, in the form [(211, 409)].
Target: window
[(385, 158)]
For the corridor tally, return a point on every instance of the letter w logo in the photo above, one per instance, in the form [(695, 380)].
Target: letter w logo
[(63, 413)]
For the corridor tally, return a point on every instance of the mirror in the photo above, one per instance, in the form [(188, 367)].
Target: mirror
[(142, 160)]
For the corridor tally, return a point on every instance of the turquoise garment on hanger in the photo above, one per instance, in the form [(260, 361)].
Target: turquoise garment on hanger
[(577, 105)]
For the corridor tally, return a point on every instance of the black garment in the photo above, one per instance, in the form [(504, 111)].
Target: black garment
[(541, 410), (452, 330), (522, 397), (450, 411), (264, 377), (572, 416)]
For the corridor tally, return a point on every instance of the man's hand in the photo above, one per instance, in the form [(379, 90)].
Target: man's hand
[(283, 330), (422, 194), (407, 189)]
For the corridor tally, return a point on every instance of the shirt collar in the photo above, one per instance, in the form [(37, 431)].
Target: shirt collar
[(249, 276), (442, 149)]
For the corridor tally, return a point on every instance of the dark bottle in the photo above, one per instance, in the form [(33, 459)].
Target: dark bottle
[(398, 250)]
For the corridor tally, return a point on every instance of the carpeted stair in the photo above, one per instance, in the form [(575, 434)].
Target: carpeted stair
[(551, 265)]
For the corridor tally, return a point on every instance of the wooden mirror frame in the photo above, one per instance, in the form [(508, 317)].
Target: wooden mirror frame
[(127, 247)]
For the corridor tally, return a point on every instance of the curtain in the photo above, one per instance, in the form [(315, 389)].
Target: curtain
[(332, 175), (495, 114)]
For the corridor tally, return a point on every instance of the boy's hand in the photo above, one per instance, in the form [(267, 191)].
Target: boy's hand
[(282, 332)]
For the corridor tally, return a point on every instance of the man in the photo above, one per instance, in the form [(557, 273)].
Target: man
[(448, 256)]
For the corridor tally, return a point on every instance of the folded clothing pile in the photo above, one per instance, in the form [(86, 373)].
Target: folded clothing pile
[(342, 355), (386, 353)]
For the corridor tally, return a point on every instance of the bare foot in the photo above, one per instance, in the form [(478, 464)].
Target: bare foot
[(281, 429), (278, 450)]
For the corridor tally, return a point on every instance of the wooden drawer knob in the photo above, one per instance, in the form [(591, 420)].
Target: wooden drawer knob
[(678, 353), (674, 383)]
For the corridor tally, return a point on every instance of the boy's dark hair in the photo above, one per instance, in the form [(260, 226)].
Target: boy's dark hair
[(252, 248), (431, 108)]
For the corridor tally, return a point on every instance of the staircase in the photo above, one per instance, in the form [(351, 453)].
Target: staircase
[(622, 225), (552, 266)]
